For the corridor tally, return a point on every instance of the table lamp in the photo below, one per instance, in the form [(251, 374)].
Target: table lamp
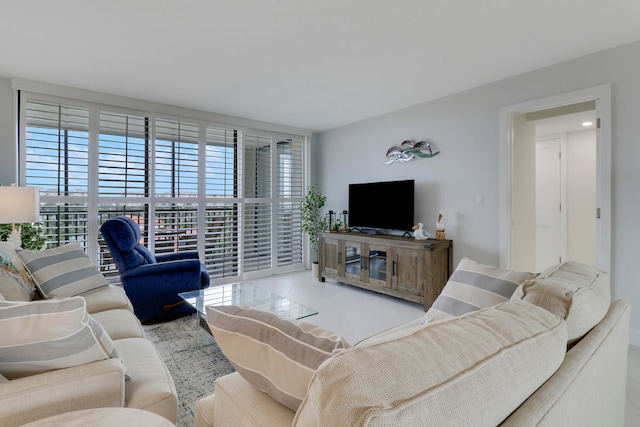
[(18, 205)]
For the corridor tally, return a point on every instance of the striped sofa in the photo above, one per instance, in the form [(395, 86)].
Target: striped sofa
[(78, 347), (553, 353)]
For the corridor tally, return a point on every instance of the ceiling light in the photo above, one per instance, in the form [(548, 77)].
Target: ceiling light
[(585, 124)]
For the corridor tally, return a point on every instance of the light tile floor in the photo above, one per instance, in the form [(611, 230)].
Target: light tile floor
[(357, 314)]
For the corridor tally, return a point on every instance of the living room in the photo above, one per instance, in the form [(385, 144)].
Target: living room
[(465, 180)]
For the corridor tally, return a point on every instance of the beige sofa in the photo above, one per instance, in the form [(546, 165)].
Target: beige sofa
[(92, 385), (554, 353)]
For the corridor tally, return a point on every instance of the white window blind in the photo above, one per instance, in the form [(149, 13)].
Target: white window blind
[(56, 160), (233, 195), (222, 238), (274, 170), (258, 225), (123, 155), (57, 147), (176, 158), (290, 191)]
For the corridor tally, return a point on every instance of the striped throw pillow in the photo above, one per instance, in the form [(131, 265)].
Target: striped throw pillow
[(63, 271), (52, 334), (275, 355), (473, 286)]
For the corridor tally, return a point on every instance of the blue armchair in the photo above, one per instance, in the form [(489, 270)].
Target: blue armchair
[(152, 283)]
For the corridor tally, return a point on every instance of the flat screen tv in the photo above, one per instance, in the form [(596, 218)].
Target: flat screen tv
[(381, 205)]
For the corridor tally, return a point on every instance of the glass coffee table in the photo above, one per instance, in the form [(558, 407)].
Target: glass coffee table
[(244, 294)]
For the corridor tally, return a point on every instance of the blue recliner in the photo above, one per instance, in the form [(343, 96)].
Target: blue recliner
[(152, 283)]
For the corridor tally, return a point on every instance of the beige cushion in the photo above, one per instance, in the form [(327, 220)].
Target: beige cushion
[(473, 286), (472, 370), (119, 324), (151, 387), (12, 267), (577, 292), (107, 298), (63, 271), (277, 356), (41, 336), (238, 403)]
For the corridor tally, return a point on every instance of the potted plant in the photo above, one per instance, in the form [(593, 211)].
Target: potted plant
[(31, 234), (313, 222)]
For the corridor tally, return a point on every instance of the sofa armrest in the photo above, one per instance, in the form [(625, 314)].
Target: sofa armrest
[(93, 385)]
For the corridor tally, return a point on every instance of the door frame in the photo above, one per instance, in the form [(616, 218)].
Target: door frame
[(602, 96)]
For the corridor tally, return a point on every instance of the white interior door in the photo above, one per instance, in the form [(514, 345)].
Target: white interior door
[(549, 230)]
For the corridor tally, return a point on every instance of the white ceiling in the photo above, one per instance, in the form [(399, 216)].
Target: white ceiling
[(313, 64)]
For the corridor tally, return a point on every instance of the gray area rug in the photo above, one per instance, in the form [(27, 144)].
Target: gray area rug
[(193, 358)]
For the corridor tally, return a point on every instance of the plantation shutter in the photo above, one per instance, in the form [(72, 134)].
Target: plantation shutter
[(176, 181), (123, 155), (290, 191), (258, 205), (234, 195), (56, 146), (273, 186), (223, 209), (124, 175)]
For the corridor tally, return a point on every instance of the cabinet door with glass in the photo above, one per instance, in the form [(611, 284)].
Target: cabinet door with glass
[(407, 270), (377, 265), (354, 264)]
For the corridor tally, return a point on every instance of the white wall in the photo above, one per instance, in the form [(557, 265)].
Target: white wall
[(8, 157), (581, 198), (465, 127), (523, 204)]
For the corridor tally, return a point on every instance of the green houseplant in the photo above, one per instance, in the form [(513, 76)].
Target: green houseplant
[(313, 222), (31, 234)]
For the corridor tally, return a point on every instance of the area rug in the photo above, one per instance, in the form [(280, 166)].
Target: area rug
[(193, 358)]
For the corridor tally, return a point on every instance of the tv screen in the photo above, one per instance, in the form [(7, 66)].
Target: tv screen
[(382, 205)]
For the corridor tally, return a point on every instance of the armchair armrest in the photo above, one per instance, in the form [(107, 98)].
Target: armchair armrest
[(93, 385), (167, 267), (176, 256)]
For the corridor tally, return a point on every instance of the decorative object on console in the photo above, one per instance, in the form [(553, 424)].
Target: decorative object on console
[(440, 227), (18, 205), (331, 221), (344, 218), (408, 150), (420, 233)]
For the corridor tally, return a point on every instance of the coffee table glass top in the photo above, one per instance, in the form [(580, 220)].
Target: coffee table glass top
[(245, 294)]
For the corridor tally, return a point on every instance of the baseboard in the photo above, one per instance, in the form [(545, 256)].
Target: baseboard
[(634, 337)]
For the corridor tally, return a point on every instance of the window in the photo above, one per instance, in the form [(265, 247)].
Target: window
[(231, 194), (273, 195)]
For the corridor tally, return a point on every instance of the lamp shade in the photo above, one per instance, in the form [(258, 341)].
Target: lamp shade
[(19, 205)]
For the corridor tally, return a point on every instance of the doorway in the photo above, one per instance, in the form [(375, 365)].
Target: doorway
[(535, 230)]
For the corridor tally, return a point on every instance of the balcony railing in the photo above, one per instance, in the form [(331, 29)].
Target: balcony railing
[(174, 230)]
